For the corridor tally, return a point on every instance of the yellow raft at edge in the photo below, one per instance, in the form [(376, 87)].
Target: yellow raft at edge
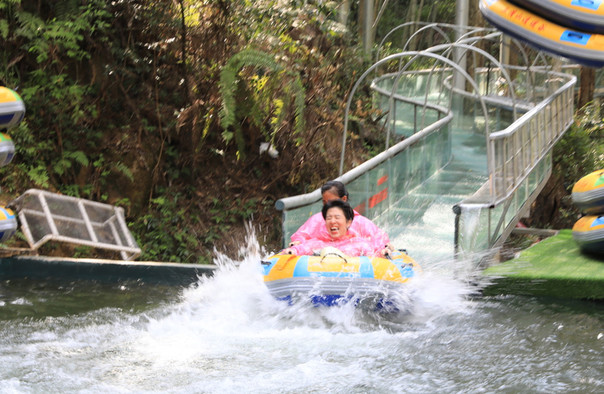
[(588, 232), (588, 193)]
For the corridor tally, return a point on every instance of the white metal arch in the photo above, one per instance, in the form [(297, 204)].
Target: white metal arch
[(415, 55)]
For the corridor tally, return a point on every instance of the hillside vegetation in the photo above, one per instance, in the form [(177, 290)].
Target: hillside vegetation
[(161, 107)]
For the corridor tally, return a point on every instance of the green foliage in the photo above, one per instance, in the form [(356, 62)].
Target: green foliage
[(163, 232), (104, 83), (124, 170), (224, 214), (64, 163), (52, 143), (261, 104), (581, 150), (168, 231)]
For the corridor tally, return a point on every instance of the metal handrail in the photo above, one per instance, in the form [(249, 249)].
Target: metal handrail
[(314, 196), (505, 179)]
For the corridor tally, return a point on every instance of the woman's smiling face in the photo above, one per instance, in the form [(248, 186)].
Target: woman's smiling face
[(336, 223)]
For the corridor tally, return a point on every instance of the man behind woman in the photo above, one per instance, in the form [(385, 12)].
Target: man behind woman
[(339, 226)]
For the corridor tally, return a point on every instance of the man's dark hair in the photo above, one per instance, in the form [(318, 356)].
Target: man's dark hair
[(346, 208), (337, 185)]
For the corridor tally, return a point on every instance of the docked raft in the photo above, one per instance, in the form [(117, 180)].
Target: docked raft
[(8, 224), (588, 232), (12, 108), (584, 15), (585, 47), (588, 193), (7, 149), (334, 278), (588, 196)]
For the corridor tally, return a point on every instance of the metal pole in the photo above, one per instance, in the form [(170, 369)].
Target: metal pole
[(368, 27), (461, 20)]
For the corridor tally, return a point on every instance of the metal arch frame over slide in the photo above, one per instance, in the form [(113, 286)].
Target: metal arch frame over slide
[(414, 56)]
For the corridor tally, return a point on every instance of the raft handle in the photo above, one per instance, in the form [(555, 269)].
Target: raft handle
[(264, 262), (389, 255), (334, 254)]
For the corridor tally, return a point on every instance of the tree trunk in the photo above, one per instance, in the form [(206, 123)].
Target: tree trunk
[(344, 12), (587, 85), (411, 18)]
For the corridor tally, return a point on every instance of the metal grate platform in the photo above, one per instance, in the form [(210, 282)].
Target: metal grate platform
[(46, 216)]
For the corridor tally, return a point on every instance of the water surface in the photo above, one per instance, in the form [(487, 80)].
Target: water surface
[(227, 334)]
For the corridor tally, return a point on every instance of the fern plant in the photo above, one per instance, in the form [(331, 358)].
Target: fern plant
[(270, 80)]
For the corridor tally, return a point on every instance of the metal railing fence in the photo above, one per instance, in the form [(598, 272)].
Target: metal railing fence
[(518, 148)]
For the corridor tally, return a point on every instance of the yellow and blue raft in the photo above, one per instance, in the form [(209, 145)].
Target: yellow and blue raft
[(8, 224), (7, 149), (584, 15), (334, 278), (535, 27), (588, 232), (12, 108), (588, 193)]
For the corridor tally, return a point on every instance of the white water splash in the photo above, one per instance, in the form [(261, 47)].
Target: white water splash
[(237, 287)]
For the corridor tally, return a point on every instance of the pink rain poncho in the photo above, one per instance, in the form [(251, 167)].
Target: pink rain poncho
[(361, 227), (352, 245)]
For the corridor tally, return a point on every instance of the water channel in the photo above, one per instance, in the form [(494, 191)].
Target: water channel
[(226, 334)]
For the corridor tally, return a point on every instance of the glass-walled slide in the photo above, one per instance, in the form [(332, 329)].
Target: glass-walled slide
[(470, 122)]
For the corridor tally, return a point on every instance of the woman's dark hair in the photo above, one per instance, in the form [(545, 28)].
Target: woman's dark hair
[(343, 205), (339, 186)]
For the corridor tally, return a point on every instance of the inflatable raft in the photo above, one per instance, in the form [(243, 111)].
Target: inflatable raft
[(8, 224), (334, 278), (588, 193), (7, 149), (12, 108), (588, 232), (585, 15), (584, 47)]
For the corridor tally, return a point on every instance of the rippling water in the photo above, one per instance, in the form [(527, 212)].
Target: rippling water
[(227, 334)]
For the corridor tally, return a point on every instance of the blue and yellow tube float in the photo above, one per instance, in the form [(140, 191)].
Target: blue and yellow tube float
[(583, 47), (12, 108), (7, 149), (335, 278), (588, 232), (8, 224), (588, 193), (584, 15)]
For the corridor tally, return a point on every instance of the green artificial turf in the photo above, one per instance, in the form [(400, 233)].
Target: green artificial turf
[(553, 267)]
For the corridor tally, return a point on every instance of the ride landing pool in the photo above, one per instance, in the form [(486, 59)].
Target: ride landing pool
[(226, 334)]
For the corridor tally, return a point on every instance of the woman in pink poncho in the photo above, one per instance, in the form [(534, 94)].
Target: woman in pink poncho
[(338, 217), (314, 227)]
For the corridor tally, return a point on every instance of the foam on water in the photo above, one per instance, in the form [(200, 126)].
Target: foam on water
[(228, 332)]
